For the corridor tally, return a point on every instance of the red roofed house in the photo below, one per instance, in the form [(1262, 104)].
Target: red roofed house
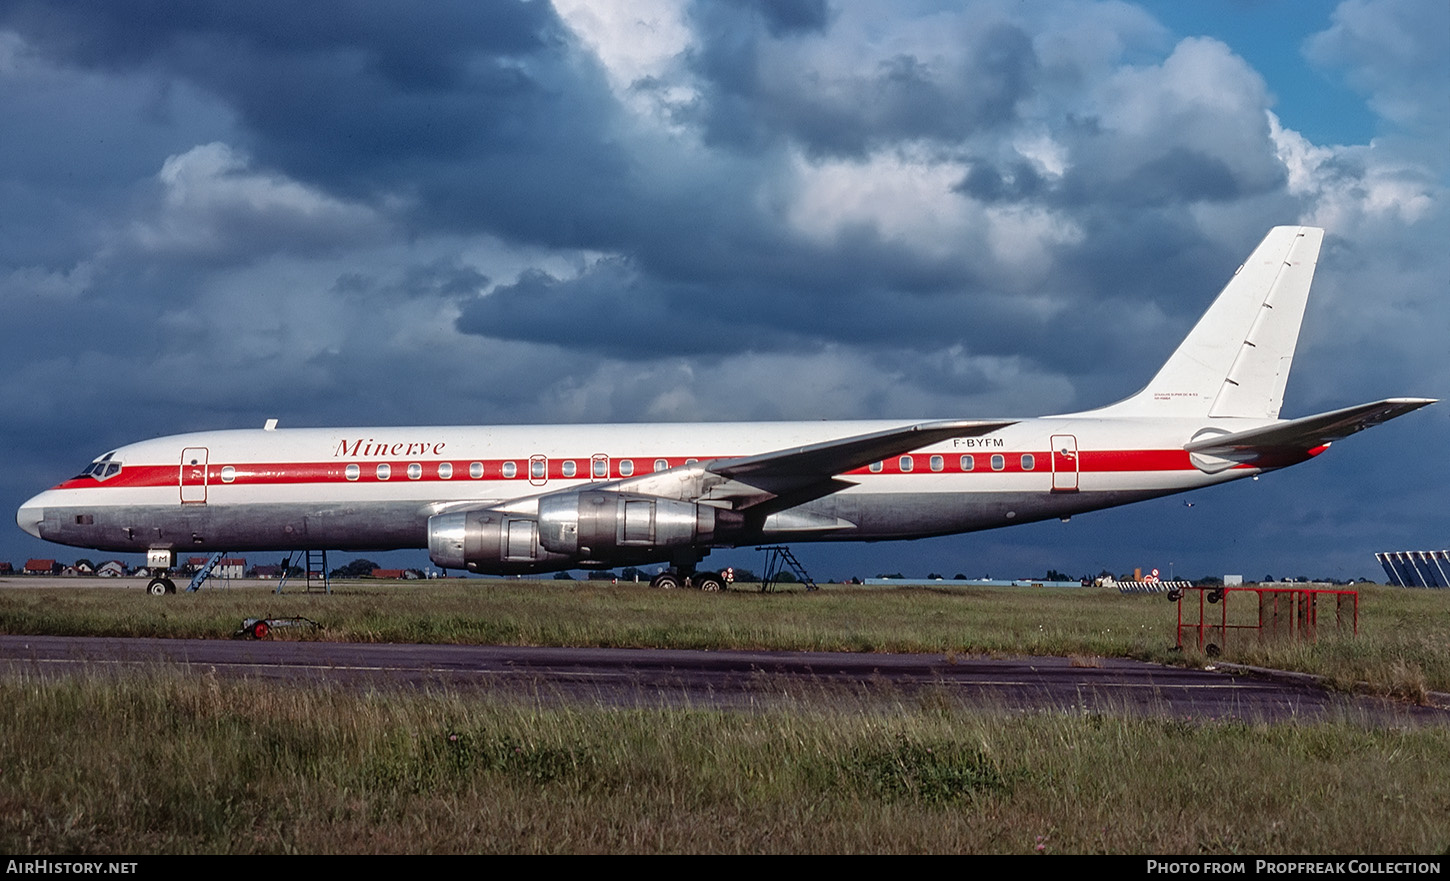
[(41, 567)]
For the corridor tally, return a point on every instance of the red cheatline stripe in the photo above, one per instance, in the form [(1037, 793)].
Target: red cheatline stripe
[(282, 473)]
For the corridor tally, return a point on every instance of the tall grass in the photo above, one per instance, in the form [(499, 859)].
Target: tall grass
[(1403, 646), (178, 763)]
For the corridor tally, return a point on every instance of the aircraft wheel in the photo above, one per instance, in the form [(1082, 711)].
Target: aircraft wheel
[(665, 581), (709, 582), (160, 587)]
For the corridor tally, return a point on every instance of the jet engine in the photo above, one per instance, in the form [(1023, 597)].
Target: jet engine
[(591, 527)]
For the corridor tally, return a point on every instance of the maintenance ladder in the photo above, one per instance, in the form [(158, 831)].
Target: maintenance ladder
[(321, 584), (777, 559)]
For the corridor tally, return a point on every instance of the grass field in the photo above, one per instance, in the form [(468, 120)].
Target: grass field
[(168, 763), (1403, 646)]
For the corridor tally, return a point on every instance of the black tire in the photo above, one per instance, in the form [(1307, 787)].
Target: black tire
[(709, 582), (1215, 595), (665, 581), (159, 587), (1175, 595)]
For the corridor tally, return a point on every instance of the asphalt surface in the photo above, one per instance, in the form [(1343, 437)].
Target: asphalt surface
[(729, 679)]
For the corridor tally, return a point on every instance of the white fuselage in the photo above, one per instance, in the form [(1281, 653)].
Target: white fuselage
[(376, 488)]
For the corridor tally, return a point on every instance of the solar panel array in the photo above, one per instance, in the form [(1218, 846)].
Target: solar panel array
[(1416, 568)]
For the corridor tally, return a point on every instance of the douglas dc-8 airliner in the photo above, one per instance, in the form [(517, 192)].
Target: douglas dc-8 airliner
[(518, 499)]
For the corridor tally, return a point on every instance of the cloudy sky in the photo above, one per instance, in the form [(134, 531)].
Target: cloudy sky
[(212, 213)]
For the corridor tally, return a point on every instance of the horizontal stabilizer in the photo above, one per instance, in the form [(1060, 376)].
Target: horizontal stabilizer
[(1271, 442)]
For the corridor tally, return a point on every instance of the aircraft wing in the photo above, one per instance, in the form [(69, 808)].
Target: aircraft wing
[(783, 478), (1304, 434), (829, 458)]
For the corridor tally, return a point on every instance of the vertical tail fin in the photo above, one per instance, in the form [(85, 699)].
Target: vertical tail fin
[(1235, 361)]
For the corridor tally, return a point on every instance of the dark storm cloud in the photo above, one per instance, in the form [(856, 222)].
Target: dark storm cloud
[(759, 88), (485, 114), (612, 307)]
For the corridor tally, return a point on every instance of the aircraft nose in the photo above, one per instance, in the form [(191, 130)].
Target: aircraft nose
[(29, 517)]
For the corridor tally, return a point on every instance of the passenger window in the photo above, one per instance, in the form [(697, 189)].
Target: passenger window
[(998, 462), (1028, 462), (352, 472), (968, 463), (937, 463), (475, 470), (385, 471), (626, 467), (906, 464), (875, 468), (537, 469), (445, 470), (569, 468), (661, 465), (510, 469), (415, 471), (601, 467), (228, 474)]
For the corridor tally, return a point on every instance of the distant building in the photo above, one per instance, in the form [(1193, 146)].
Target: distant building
[(230, 567), (388, 573), (6, 569), (227, 567), (111, 569), (41, 567)]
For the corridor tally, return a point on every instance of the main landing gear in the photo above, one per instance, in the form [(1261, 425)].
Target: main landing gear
[(160, 586), (711, 582), (682, 574)]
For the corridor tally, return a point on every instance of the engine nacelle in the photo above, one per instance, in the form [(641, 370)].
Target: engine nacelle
[(602, 525), (592, 527), (492, 542)]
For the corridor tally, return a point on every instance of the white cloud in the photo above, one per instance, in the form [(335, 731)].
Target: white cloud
[(637, 42), (1346, 186), (904, 198), (42, 283), (213, 200), (1394, 51)]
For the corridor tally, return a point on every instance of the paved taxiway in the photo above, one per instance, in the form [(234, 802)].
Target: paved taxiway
[(722, 678)]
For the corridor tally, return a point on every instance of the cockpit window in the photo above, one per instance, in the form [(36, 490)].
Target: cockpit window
[(104, 467)]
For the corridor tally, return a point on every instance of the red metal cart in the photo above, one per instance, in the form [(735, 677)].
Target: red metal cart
[(1207, 616)]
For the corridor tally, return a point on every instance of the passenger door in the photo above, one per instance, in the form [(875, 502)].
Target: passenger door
[(193, 476)]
